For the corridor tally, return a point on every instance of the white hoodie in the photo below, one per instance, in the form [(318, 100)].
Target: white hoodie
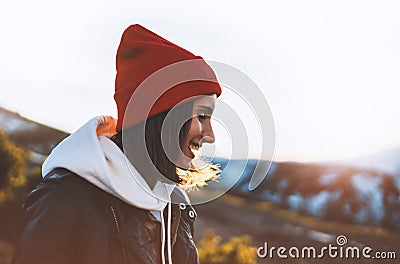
[(90, 154)]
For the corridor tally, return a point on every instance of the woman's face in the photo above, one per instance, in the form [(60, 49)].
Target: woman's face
[(200, 130)]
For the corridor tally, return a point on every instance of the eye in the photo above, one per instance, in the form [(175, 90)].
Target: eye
[(202, 117)]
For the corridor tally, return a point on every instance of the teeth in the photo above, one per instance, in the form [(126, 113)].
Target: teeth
[(192, 146)]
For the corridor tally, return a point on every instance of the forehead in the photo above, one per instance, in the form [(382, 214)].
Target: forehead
[(206, 101)]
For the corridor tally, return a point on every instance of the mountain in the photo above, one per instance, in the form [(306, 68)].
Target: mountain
[(386, 161), (38, 138), (340, 193)]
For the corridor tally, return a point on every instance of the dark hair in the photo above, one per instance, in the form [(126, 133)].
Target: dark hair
[(176, 126)]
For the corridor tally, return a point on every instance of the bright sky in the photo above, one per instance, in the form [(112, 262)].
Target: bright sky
[(329, 69)]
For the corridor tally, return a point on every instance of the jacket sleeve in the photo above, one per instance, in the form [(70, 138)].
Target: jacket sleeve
[(48, 227)]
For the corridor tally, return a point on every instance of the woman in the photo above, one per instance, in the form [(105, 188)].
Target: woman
[(110, 190)]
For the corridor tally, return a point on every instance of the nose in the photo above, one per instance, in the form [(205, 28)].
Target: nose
[(207, 133)]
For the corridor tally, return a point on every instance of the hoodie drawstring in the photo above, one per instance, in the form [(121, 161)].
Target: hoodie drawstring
[(168, 236), (162, 238)]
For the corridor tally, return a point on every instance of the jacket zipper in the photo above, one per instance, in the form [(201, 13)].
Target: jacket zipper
[(118, 230)]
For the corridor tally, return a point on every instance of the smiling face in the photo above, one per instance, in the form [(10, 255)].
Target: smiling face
[(200, 130)]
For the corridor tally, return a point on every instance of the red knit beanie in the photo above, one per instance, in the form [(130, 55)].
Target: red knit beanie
[(140, 57)]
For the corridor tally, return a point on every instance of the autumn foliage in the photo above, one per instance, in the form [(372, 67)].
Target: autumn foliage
[(238, 250), (12, 166)]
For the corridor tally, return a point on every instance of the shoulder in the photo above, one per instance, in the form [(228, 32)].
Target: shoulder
[(65, 190), (66, 179), (54, 188), (59, 214), (73, 185)]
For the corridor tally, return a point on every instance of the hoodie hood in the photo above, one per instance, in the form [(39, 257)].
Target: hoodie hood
[(91, 154)]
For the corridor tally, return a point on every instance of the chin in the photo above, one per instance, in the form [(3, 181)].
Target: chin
[(184, 163)]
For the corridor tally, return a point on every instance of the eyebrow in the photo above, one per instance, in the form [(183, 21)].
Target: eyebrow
[(207, 109)]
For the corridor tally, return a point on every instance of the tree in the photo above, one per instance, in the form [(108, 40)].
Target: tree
[(12, 166)]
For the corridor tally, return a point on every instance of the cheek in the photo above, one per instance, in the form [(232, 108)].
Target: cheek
[(195, 128)]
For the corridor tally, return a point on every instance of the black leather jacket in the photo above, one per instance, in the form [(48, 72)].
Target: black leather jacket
[(66, 219)]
